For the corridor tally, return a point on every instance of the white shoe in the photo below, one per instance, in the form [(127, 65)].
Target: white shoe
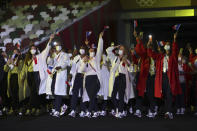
[(82, 114), (113, 113), (150, 114), (182, 111), (131, 110), (56, 114), (1, 113), (88, 114), (63, 109), (119, 115), (52, 112), (168, 115), (72, 113), (138, 113), (124, 113), (103, 113), (178, 111), (95, 115), (20, 113)]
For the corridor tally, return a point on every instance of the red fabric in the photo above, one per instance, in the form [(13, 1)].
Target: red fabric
[(35, 60), (192, 59), (144, 67), (173, 74)]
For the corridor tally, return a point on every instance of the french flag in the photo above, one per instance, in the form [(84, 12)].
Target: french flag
[(176, 27), (161, 43), (88, 33), (18, 44), (49, 70), (135, 23)]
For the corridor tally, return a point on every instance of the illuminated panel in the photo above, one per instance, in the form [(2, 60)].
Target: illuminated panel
[(158, 14)]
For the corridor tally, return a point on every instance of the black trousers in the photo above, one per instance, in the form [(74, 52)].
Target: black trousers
[(166, 92), (3, 90), (14, 91), (33, 82), (78, 86), (92, 86), (119, 88), (180, 99), (149, 94)]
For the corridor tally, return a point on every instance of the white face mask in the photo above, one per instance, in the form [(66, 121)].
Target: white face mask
[(120, 52), (179, 59), (92, 54), (70, 55), (58, 48), (82, 51), (33, 51), (167, 47), (196, 51)]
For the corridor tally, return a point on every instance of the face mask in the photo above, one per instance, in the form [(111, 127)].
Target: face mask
[(92, 54), (33, 51), (120, 52), (167, 47), (179, 59), (58, 48), (82, 51), (196, 51), (70, 55)]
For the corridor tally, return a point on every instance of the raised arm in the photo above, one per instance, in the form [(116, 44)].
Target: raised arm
[(175, 47), (100, 47)]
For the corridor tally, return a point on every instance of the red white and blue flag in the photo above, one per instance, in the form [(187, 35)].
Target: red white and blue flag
[(49, 70), (135, 23), (88, 33), (176, 27), (105, 28), (18, 45), (161, 43)]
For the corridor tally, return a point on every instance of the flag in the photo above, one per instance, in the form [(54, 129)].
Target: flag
[(135, 23), (105, 28), (176, 27), (18, 44), (57, 32), (161, 43), (88, 33), (49, 70)]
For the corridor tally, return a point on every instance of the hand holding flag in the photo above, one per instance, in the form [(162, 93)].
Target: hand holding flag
[(88, 33), (135, 24), (176, 27)]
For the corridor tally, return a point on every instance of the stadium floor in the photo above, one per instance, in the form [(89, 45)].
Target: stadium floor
[(48, 123)]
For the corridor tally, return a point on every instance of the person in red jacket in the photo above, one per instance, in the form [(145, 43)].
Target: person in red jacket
[(145, 80), (193, 60), (167, 82)]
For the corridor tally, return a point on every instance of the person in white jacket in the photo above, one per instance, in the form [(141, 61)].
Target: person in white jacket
[(92, 76), (59, 77), (120, 86), (77, 71)]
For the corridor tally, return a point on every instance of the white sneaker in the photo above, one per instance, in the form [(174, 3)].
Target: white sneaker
[(131, 110), (138, 113), (88, 114), (56, 114), (82, 114), (95, 115), (150, 114), (63, 109), (113, 113), (103, 113), (168, 115), (1, 113), (182, 112), (72, 113), (20, 113), (52, 112), (119, 115), (124, 113), (178, 111)]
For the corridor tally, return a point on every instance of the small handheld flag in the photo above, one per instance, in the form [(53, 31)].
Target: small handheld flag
[(176, 27), (161, 43), (105, 28), (88, 33), (18, 44), (135, 23), (93, 46)]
